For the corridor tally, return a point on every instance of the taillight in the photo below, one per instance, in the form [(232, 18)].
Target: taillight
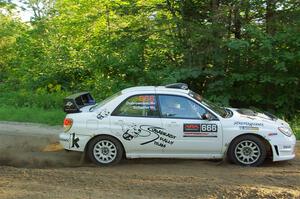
[(68, 122)]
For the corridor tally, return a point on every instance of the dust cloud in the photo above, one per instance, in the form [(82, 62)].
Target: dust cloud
[(32, 150)]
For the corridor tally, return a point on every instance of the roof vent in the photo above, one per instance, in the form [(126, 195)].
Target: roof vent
[(178, 86)]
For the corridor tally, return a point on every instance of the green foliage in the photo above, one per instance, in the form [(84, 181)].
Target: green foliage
[(295, 124), (238, 53), (9, 32), (32, 114), (27, 99)]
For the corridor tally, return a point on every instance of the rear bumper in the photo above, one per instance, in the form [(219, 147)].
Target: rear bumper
[(64, 140), (284, 149), (73, 141)]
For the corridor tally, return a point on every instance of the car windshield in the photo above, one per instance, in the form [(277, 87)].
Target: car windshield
[(217, 109), (102, 103)]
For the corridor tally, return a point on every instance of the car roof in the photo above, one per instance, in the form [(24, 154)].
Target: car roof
[(159, 89)]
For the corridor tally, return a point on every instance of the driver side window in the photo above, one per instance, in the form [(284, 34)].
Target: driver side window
[(180, 107)]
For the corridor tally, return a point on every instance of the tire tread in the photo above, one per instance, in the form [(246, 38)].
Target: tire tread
[(258, 141), (92, 143)]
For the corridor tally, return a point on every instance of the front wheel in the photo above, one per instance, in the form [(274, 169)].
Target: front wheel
[(105, 150), (247, 150)]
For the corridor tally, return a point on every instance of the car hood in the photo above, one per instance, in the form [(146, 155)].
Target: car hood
[(251, 116)]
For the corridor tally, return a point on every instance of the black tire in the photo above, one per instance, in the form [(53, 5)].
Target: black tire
[(95, 158), (237, 154)]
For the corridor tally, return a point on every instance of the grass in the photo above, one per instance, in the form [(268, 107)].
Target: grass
[(47, 101), (32, 114), (24, 106)]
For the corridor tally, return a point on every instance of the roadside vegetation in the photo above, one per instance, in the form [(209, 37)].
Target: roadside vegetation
[(235, 53), (32, 115), (23, 106), (295, 124)]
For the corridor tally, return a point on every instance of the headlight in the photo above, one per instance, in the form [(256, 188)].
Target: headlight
[(286, 131)]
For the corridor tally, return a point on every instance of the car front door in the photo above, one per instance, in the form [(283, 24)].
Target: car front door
[(136, 120), (182, 118)]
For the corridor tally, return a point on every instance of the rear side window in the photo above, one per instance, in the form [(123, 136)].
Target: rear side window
[(138, 106)]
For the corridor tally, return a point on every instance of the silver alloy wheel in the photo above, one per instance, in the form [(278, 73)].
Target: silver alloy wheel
[(105, 151), (247, 152)]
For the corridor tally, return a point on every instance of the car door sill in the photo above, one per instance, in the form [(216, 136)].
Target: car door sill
[(181, 156)]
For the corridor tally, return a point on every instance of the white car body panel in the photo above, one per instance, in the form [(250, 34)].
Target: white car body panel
[(173, 142)]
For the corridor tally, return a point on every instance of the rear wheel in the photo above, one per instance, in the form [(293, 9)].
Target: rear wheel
[(247, 150), (105, 150)]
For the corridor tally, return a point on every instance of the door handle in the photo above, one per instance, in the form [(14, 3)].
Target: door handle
[(119, 122), (173, 123)]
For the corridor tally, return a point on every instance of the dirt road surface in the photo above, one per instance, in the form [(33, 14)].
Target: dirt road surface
[(33, 166)]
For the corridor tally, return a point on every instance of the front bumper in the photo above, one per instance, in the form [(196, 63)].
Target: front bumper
[(284, 148)]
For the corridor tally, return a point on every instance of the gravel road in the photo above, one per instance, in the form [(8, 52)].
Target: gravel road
[(33, 166)]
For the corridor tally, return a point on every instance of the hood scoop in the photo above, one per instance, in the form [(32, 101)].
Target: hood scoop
[(252, 113), (273, 117), (248, 112)]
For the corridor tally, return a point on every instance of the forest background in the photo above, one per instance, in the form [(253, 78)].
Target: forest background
[(242, 53)]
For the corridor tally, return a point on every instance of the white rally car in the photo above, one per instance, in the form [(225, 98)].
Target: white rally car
[(171, 122)]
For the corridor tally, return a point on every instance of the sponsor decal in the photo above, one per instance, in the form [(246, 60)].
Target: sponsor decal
[(75, 141), (103, 114), (287, 147), (272, 134), (237, 123), (64, 139), (191, 134), (200, 130), (144, 102), (69, 104), (157, 135), (191, 127), (250, 128), (132, 131)]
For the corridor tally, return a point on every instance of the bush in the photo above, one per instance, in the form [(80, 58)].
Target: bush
[(295, 124), (31, 114), (28, 99)]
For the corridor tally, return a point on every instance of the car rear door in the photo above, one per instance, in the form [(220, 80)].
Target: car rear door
[(182, 117), (137, 121)]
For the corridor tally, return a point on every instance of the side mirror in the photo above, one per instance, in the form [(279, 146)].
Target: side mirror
[(207, 116)]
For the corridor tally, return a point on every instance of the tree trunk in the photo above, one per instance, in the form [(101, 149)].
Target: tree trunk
[(270, 16), (229, 19), (237, 21)]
